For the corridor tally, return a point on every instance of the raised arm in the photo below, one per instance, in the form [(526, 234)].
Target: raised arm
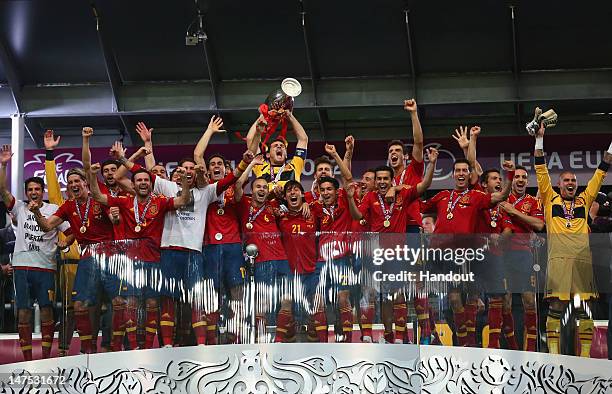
[(127, 164), (46, 224), (432, 155), (350, 193), (92, 176), (417, 131), (348, 153), (300, 133), (147, 139), (85, 152), (183, 198), (53, 187), (498, 197), (244, 176), (253, 137), (347, 177), (5, 158), (544, 184), (214, 126), (471, 152)]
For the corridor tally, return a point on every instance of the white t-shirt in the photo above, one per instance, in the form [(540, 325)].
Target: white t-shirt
[(185, 227), (34, 247)]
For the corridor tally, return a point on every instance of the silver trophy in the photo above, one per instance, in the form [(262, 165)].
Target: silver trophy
[(548, 119), (282, 99)]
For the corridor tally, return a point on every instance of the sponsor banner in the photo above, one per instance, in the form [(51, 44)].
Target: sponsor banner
[(578, 153)]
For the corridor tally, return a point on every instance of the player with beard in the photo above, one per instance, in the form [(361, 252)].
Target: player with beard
[(324, 167), (182, 263), (299, 239), (277, 170), (458, 212), (143, 215), (33, 259), (527, 217), (93, 231), (259, 227), (570, 269), (392, 219), (496, 225)]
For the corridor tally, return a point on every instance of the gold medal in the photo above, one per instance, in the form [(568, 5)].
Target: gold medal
[(493, 223), (363, 222), (218, 236), (449, 216), (83, 229), (220, 211), (249, 226), (386, 223), (137, 228)]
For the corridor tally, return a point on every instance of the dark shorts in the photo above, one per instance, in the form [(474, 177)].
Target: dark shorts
[(90, 277), (224, 265), (272, 271), (489, 275), (145, 281), (182, 271), (33, 285), (519, 275), (305, 287), (339, 274)]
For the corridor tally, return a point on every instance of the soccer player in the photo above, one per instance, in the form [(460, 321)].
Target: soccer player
[(69, 257), (388, 213), (527, 217), (458, 212), (90, 224), (570, 269), (182, 262), (323, 166), (33, 260), (143, 215), (259, 227), (277, 170), (496, 225), (299, 239)]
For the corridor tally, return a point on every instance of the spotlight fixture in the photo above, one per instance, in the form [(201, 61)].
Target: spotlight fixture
[(195, 32)]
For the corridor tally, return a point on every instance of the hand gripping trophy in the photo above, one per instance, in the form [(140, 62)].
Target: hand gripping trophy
[(548, 118)]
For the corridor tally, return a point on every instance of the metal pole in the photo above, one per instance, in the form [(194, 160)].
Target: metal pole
[(17, 142)]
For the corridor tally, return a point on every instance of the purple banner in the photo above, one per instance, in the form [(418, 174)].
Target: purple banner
[(579, 153)]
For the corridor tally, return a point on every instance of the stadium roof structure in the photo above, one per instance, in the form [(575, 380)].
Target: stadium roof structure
[(111, 63)]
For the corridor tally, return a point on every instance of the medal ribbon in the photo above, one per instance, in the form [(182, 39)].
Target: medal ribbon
[(518, 200), (330, 212), (144, 211), (276, 178), (222, 200), (253, 217), (494, 213), (386, 213), (451, 203), (78, 209), (401, 177)]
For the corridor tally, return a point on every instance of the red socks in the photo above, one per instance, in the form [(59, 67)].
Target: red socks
[(471, 309), (198, 322), (150, 327), (83, 326), (421, 305), (366, 318), (508, 321), (400, 311), (47, 331), (346, 316), (460, 328), (212, 319), (25, 340), (167, 321), (320, 323), (531, 330)]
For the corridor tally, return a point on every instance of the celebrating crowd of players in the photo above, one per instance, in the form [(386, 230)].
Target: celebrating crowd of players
[(170, 243)]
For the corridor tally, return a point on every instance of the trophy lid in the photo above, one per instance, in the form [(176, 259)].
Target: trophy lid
[(291, 87)]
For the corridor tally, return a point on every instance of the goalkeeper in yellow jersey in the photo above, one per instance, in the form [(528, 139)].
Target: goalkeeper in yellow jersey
[(570, 270)]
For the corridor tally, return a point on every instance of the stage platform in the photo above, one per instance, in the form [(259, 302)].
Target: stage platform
[(312, 368)]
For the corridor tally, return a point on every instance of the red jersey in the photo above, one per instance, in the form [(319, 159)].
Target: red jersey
[(485, 225), (335, 224), (222, 228), (299, 239), (264, 233), (411, 176), (311, 197), (467, 211), (399, 210), (118, 229), (98, 226), (152, 223), (527, 205)]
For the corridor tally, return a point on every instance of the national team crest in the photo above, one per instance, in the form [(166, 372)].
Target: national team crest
[(465, 199), (526, 207), (154, 209), (97, 209)]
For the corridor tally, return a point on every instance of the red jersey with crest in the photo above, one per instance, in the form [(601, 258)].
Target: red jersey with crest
[(118, 229), (299, 238), (466, 213), (399, 210), (264, 233), (147, 249), (310, 197), (411, 176), (98, 225), (335, 224), (226, 226), (530, 206)]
